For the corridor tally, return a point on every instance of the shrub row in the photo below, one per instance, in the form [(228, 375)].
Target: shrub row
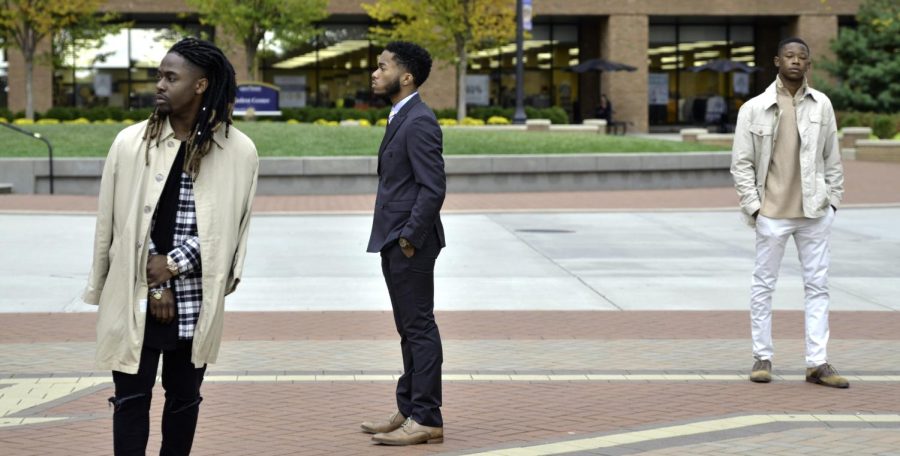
[(307, 115), (884, 126), (96, 114)]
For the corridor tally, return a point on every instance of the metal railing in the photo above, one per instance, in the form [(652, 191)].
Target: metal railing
[(39, 137)]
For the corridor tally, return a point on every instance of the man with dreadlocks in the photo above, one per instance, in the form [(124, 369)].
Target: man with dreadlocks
[(176, 188)]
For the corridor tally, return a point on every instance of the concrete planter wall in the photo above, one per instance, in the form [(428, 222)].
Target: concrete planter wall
[(481, 173)]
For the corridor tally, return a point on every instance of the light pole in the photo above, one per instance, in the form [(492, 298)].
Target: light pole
[(519, 117)]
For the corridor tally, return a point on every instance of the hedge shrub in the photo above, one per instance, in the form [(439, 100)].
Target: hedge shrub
[(305, 115), (883, 126)]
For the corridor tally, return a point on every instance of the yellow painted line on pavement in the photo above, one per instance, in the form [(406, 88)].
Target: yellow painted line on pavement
[(23, 394), (684, 430)]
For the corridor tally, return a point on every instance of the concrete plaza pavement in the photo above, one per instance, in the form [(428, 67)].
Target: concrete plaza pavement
[(592, 330), (698, 260)]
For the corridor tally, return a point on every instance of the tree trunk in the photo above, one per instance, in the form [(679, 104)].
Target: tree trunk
[(461, 68), (29, 83), (250, 53)]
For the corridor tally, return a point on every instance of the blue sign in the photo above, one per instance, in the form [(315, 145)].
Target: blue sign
[(526, 15), (262, 97)]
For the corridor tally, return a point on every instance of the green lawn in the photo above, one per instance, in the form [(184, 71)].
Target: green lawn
[(280, 139)]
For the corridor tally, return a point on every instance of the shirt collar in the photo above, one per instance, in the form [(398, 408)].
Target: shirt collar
[(771, 93), (802, 93), (397, 107)]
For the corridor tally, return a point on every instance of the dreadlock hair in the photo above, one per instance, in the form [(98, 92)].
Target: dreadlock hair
[(216, 107)]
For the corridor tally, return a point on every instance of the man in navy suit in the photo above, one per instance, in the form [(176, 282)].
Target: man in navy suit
[(407, 231)]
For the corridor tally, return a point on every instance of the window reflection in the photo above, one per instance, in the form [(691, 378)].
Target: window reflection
[(548, 52), (332, 69), (118, 70), (678, 95)]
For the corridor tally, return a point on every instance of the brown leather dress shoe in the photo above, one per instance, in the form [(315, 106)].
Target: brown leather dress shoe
[(411, 433), (761, 372), (393, 423), (824, 374)]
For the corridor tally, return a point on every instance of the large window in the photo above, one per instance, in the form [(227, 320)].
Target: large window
[(333, 69), (118, 70), (681, 96), (550, 50)]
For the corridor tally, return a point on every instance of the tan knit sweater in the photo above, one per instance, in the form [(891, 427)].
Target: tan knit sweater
[(784, 197)]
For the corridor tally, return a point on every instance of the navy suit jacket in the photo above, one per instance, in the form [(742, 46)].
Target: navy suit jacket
[(411, 179)]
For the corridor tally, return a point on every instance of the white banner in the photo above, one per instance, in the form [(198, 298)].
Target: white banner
[(103, 84), (293, 91), (658, 90), (741, 83), (478, 90)]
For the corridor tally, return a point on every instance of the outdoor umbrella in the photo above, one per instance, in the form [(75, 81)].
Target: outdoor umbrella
[(724, 66), (600, 65)]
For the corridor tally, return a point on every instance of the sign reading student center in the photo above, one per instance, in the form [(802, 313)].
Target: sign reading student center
[(262, 97)]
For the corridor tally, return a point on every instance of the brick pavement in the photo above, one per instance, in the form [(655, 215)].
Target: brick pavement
[(528, 355), (241, 416), (497, 325)]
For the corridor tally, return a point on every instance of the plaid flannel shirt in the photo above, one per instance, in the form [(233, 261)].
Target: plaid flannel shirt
[(187, 285)]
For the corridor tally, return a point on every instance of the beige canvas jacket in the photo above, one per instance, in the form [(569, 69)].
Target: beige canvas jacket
[(129, 191), (821, 172)]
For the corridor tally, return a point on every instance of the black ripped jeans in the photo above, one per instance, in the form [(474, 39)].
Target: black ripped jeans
[(131, 418)]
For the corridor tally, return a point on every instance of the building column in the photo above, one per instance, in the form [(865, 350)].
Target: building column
[(589, 37), (817, 31), (42, 79), (625, 40)]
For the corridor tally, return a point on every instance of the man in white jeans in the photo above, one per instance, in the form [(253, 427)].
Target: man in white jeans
[(787, 171)]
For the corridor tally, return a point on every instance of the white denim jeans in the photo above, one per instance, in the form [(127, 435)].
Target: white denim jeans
[(811, 237)]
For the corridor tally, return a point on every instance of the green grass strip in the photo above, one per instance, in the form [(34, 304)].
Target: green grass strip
[(274, 139)]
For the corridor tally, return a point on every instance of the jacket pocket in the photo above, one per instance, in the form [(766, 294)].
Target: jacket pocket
[(761, 130), (761, 135), (812, 129), (821, 199)]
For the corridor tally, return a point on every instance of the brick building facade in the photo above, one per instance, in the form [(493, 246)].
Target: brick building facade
[(661, 38)]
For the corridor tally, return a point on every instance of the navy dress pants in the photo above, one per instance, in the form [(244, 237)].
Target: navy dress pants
[(410, 283)]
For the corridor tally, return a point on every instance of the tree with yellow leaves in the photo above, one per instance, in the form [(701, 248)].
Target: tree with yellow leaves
[(25, 23), (292, 21), (449, 29)]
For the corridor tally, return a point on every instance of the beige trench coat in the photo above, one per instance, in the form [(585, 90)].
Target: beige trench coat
[(129, 191)]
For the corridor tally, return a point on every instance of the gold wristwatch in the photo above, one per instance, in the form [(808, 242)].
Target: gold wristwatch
[(404, 243), (171, 265), (157, 295)]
